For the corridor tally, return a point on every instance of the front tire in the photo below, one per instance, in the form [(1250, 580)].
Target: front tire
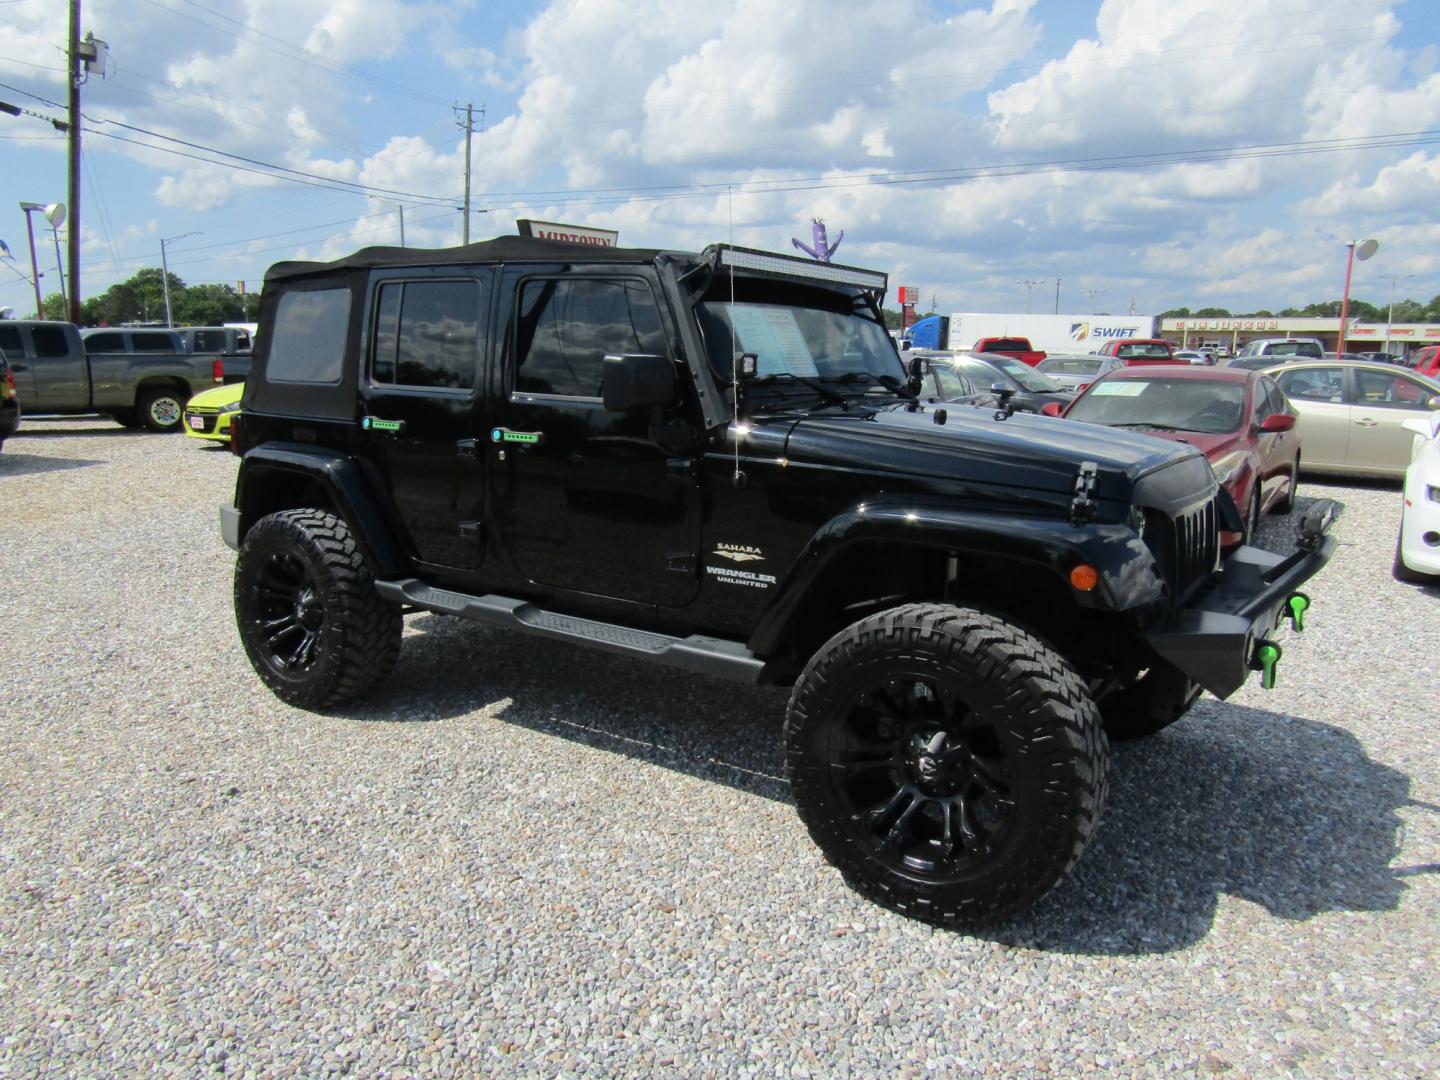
[(1400, 572), (1287, 503), (161, 410), (315, 629), (949, 764)]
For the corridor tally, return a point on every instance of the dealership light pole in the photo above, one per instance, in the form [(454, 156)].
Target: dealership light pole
[(34, 266), (165, 272), (1394, 280), (1363, 252), (1028, 286)]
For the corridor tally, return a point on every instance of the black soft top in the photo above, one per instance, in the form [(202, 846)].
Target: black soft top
[(500, 249)]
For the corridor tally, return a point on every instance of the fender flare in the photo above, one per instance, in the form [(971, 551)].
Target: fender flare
[(1129, 577), (344, 482)]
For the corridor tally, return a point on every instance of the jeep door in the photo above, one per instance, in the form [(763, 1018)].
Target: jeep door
[(425, 332), (585, 499)]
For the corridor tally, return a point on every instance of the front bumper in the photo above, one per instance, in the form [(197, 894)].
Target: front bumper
[(204, 424), (1214, 637)]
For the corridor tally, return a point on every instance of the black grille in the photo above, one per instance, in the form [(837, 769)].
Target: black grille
[(1186, 546)]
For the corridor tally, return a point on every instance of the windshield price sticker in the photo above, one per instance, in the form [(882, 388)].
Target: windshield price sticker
[(774, 336), (1118, 389)]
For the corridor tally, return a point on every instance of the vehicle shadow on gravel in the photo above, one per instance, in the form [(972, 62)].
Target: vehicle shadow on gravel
[(1287, 813), (705, 727), (14, 464), (1283, 812)]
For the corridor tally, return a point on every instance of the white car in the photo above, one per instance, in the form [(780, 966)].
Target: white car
[(1417, 551)]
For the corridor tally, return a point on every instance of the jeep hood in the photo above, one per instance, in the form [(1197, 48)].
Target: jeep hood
[(1040, 453)]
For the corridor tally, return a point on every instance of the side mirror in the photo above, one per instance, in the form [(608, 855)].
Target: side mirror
[(1278, 422), (1052, 408), (638, 381)]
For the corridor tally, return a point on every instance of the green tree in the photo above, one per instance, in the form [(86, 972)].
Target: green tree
[(1213, 313), (1176, 313), (206, 305)]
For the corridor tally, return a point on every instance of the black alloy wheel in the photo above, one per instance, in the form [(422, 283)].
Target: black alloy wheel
[(316, 631), (948, 763)]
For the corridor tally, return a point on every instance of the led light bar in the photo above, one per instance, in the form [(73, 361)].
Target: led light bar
[(804, 269)]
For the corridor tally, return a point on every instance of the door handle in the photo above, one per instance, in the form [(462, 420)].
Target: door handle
[(389, 427), (502, 435), (1367, 422)]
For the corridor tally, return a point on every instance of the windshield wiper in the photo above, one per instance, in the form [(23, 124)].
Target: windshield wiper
[(828, 396), (889, 382), (1149, 427)]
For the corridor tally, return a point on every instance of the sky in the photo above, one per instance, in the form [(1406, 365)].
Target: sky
[(1139, 155)]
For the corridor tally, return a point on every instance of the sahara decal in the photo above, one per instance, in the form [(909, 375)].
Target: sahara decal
[(739, 553)]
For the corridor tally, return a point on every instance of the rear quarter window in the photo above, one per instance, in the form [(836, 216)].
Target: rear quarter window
[(49, 341), (105, 343), (154, 343), (307, 342)]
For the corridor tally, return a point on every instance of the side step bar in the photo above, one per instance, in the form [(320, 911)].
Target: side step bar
[(704, 655)]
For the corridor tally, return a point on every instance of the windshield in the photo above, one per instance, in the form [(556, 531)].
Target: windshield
[(828, 340), (1024, 374), (1069, 367), (1174, 404)]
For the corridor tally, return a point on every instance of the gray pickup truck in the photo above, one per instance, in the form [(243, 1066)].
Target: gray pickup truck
[(232, 344), (141, 377)]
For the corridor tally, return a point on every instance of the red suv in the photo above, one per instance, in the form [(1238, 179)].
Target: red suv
[(1427, 361)]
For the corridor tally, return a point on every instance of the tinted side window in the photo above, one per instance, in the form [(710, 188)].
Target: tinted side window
[(153, 342), (427, 334), (566, 328), (105, 343), (10, 341), (308, 340), (207, 341), (49, 341)]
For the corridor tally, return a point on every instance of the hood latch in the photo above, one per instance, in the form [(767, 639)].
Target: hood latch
[(1082, 506)]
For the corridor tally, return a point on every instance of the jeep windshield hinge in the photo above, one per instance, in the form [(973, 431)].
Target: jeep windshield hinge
[(1082, 506)]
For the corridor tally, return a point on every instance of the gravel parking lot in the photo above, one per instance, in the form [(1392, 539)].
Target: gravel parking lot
[(525, 857)]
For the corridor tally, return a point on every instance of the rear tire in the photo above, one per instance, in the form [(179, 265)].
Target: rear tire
[(315, 629), (161, 410), (949, 764), (1151, 704)]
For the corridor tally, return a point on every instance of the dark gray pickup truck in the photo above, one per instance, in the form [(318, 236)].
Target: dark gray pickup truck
[(232, 344), (141, 377)]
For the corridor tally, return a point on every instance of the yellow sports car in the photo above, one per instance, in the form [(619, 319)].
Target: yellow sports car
[(208, 413)]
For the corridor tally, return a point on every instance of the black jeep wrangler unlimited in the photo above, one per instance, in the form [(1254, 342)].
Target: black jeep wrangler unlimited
[(718, 461)]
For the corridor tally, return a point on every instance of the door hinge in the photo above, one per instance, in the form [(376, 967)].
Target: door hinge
[(472, 530), (681, 563), (468, 449)]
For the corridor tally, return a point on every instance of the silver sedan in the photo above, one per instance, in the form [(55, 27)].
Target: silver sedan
[(1351, 413)]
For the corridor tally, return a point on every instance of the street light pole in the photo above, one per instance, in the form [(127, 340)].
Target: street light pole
[(165, 273), (34, 266), (1368, 248), (1028, 286)]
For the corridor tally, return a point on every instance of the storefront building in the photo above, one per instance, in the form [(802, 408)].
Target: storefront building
[(1360, 336)]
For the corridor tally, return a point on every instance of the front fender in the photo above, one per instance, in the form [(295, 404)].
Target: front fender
[(1129, 577), (343, 481)]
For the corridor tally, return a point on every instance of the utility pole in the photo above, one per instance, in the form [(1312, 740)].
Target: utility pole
[(469, 133), (401, 208), (72, 73), (1057, 296)]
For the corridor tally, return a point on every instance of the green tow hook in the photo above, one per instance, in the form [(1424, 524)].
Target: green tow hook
[(1267, 659), (1298, 604)]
